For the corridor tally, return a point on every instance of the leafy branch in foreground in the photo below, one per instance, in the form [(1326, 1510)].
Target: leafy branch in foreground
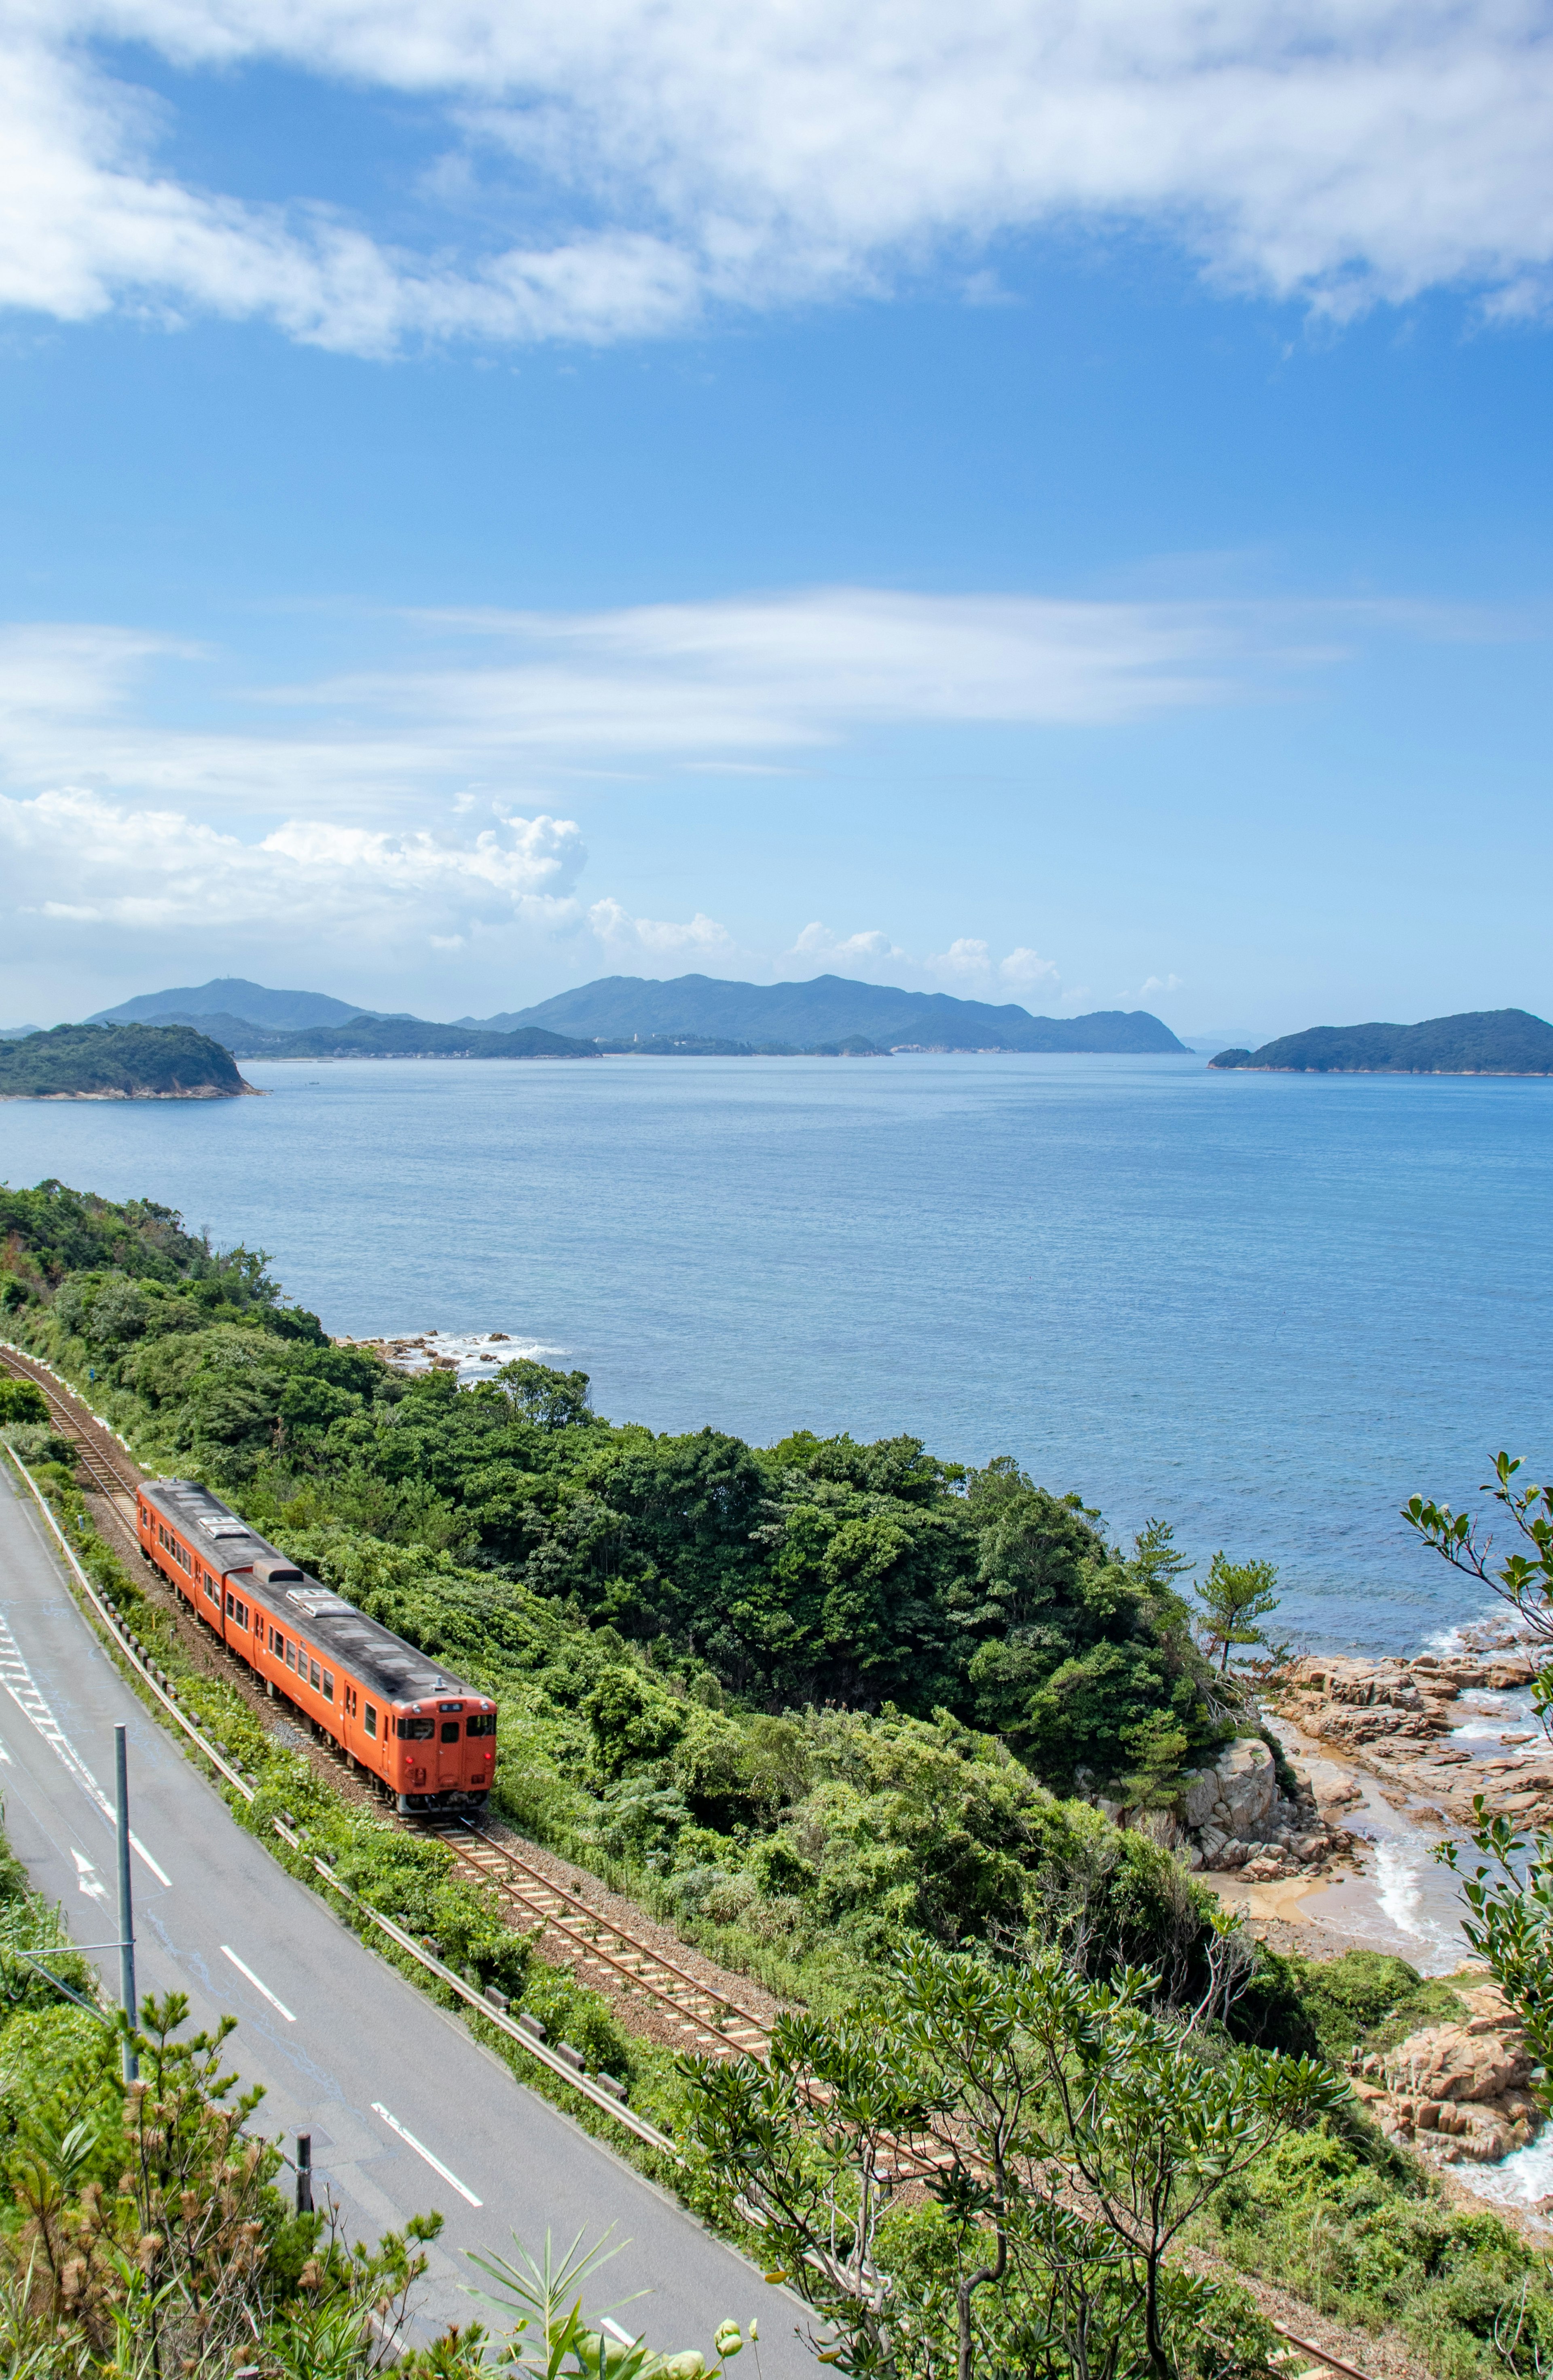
[(1510, 1893), (1067, 2130)]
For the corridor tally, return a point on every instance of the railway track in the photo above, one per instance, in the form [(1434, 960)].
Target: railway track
[(99, 1468), (709, 2019)]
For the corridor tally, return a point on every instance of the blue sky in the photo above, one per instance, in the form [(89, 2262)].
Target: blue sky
[(1051, 505)]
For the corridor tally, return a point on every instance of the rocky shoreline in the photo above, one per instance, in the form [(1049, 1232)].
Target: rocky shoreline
[(1391, 1718), (1291, 1830)]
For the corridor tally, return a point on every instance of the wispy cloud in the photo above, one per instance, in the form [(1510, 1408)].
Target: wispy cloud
[(615, 168), (484, 698)]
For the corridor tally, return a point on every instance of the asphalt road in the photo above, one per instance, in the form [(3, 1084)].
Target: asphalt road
[(407, 2112)]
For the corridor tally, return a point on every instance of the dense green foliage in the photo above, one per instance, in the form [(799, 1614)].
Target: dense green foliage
[(1486, 1041), (137, 1061), (1322, 2216), (811, 1698), (130, 1258)]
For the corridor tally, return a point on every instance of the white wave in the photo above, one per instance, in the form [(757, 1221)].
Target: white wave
[(1522, 2178), (1399, 1876)]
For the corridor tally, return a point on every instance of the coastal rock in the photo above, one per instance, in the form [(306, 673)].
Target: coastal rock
[(1456, 2091), (1238, 1794), (1456, 2062)]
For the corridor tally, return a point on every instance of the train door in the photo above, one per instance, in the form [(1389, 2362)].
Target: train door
[(450, 1748)]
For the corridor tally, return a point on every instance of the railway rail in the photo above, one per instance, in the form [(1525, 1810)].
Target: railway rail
[(99, 1468), (707, 2018)]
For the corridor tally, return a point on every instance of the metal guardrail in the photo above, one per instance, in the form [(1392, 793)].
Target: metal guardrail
[(544, 2056)]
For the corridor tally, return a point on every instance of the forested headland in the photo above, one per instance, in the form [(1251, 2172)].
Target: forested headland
[(1483, 1041), (118, 1062)]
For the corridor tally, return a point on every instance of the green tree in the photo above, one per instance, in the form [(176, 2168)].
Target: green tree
[(1068, 2129), (1232, 1599), (1509, 1894)]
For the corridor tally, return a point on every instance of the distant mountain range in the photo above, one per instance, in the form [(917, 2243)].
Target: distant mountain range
[(230, 998), (1483, 1041), (695, 1016), (829, 1008)]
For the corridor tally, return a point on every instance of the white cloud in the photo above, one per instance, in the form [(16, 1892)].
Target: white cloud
[(817, 951), (610, 167), (1158, 983), (695, 681), (74, 857), (1024, 970), (968, 968), (624, 936)]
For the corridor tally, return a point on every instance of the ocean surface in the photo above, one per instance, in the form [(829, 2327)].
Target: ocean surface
[(1265, 1307)]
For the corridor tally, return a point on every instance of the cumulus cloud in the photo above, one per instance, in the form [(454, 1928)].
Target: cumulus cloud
[(610, 168), (73, 857), (1158, 983), (817, 951), (657, 939), (968, 968)]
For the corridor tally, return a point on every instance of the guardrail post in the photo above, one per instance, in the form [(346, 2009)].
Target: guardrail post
[(304, 2173)]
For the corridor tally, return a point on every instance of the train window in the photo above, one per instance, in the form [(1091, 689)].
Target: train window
[(417, 1730), (242, 1615), (211, 1589), (328, 1687), (482, 1723), (450, 1730), (372, 1720), (313, 1679), (290, 1654)]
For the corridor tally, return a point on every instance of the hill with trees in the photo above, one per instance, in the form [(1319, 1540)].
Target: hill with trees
[(829, 1008), (232, 996), (1483, 1041), (119, 1061)]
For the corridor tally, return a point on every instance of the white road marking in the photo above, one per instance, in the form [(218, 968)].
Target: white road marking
[(422, 2151), (4, 1755), (16, 1680), (616, 2332), (87, 1877), (258, 1986)]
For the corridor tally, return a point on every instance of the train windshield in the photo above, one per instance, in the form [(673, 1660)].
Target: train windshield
[(417, 1730), (483, 1723)]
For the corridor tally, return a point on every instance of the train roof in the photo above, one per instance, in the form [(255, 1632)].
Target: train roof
[(384, 1662)]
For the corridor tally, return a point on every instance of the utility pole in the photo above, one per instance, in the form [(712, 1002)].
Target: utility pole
[(125, 1906)]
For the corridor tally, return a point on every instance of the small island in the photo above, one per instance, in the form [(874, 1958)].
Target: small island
[(119, 1061), (1483, 1041)]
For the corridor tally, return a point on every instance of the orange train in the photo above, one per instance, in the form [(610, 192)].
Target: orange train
[(428, 1739)]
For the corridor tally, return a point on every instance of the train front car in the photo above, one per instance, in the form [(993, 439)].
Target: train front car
[(349, 1676), (443, 1753)]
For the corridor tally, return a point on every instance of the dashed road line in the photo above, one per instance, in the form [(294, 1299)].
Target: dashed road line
[(17, 1682), (227, 1953), (422, 2151)]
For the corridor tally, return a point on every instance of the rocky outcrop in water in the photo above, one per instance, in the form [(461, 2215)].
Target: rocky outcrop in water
[(1456, 2091), (1397, 1718)]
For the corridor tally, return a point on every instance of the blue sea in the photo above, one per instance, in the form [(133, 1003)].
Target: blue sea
[(1265, 1307)]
